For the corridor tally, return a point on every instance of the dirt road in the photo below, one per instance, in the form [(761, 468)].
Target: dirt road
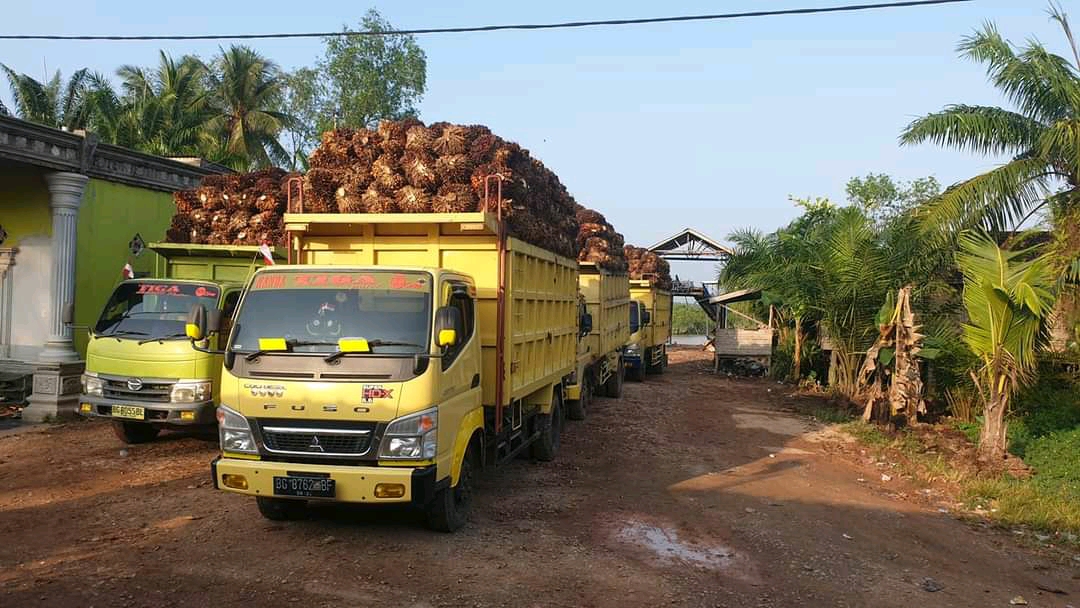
[(692, 490)]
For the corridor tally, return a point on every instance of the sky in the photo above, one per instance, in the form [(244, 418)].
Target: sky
[(709, 125)]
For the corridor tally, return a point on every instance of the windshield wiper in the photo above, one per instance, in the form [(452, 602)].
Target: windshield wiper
[(289, 343), (341, 353), (121, 333), (162, 338)]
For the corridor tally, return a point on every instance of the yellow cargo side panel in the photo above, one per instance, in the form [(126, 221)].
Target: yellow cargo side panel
[(607, 297), (542, 317)]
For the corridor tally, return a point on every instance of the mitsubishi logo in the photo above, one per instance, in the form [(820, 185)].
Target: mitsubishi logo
[(315, 446), (134, 384)]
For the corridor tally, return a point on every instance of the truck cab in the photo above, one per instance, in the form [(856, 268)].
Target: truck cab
[(142, 372), (650, 329)]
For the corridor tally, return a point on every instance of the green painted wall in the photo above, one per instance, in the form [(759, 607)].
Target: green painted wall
[(110, 216), (24, 204)]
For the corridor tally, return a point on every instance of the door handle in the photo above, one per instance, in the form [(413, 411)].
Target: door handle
[(475, 380)]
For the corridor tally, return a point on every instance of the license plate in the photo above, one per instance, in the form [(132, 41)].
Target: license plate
[(129, 411), (307, 487)]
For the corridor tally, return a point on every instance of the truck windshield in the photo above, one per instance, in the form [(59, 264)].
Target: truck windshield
[(312, 311), (153, 309)]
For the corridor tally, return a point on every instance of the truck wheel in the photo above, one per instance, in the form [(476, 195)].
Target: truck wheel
[(135, 432), (613, 387), (545, 447), (449, 511), (281, 509), (577, 410)]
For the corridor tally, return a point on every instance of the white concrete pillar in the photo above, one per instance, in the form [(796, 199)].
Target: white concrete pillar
[(65, 197), (7, 260)]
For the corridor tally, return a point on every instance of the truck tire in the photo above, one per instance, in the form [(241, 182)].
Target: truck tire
[(577, 410), (135, 432), (449, 511), (613, 387), (547, 445), (281, 509)]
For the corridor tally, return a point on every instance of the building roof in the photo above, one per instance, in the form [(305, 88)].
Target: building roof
[(741, 295), (691, 245), (81, 152)]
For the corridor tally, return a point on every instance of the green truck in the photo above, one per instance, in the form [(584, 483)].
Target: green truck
[(141, 370)]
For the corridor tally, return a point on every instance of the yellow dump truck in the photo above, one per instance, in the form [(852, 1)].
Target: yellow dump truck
[(650, 326), (604, 328), (399, 354), (141, 371)]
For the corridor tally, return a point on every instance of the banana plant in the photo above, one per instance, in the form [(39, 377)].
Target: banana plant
[(1009, 297)]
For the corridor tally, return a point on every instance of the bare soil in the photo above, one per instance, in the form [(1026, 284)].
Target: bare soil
[(692, 490)]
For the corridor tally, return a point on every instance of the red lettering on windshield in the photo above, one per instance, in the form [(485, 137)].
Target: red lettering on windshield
[(150, 288), (272, 281), (400, 281), (365, 280), (203, 292)]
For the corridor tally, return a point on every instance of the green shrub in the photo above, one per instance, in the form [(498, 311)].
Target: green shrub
[(1056, 460), (971, 430), (1051, 404)]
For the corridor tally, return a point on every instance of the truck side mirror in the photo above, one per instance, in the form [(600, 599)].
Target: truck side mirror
[(69, 314), (195, 328), (213, 321), (449, 325), (586, 324)]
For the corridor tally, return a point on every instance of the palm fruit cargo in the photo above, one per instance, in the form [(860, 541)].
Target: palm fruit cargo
[(403, 167), (646, 265)]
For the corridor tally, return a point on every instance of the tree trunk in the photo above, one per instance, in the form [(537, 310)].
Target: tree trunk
[(992, 442), (796, 364)]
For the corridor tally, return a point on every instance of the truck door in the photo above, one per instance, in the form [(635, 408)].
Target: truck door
[(228, 308), (460, 385)]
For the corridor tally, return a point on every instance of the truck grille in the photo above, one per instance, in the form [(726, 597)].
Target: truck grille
[(353, 441), (155, 392)]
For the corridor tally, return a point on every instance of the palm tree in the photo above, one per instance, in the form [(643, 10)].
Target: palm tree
[(51, 103), (1008, 297), (164, 110), (246, 91), (1039, 135)]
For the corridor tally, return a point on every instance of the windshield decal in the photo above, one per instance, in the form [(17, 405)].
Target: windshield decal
[(353, 280), (173, 289)]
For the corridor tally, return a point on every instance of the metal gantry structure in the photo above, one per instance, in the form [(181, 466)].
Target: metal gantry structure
[(693, 246)]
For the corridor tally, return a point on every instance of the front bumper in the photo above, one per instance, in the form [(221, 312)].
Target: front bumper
[(353, 483), (156, 412)]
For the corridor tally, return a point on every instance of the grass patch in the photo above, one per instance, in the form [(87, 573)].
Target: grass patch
[(1016, 502), (868, 434), (1048, 501), (832, 415)]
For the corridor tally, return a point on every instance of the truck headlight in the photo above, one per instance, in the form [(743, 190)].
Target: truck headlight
[(92, 385), (234, 432), (633, 349), (412, 437), (191, 391)]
